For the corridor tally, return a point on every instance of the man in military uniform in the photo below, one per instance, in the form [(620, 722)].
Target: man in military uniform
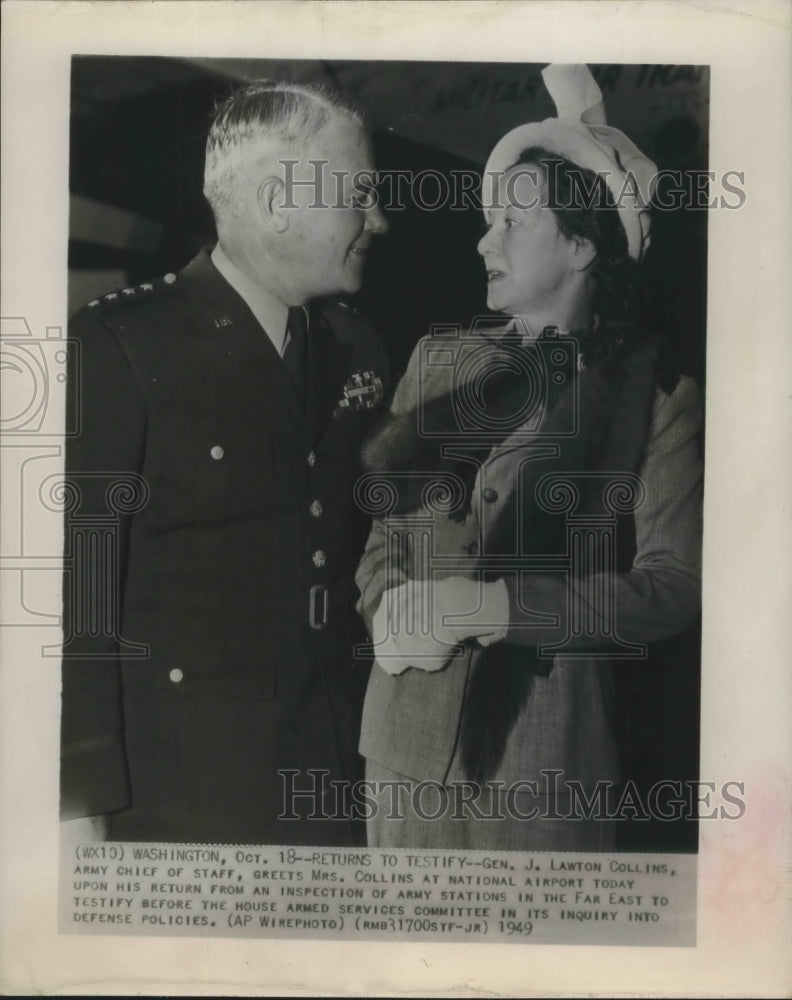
[(208, 647)]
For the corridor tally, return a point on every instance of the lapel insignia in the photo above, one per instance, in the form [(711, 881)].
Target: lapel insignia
[(362, 391)]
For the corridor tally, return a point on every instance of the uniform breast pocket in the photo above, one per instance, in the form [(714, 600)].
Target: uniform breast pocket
[(246, 472), (187, 466)]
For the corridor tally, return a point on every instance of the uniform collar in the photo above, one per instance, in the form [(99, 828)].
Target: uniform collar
[(271, 313)]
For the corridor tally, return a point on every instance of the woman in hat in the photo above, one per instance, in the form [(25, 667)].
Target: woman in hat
[(538, 492)]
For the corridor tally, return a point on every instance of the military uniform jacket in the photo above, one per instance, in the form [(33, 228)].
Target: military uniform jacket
[(208, 639)]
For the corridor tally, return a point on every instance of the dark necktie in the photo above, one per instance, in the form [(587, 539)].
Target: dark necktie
[(295, 355)]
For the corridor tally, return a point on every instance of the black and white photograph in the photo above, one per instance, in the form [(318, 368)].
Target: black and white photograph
[(380, 476), (284, 414)]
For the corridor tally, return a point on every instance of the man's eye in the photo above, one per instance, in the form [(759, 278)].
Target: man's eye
[(363, 199)]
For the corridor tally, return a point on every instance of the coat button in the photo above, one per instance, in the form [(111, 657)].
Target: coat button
[(311, 459), (489, 494), (316, 508), (176, 675), (319, 558), (217, 452)]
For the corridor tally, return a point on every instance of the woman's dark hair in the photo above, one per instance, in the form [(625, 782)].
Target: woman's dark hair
[(584, 209)]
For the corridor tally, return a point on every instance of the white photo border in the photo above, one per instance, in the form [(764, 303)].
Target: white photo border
[(744, 926)]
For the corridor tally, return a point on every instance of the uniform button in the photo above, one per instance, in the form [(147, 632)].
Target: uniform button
[(316, 508), (311, 459), (489, 494), (169, 279), (319, 558), (176, 675), (216, 451)]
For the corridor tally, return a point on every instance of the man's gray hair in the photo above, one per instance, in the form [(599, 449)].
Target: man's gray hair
[(287, 113)]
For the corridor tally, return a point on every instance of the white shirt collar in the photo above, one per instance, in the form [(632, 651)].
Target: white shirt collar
[(271, 313)]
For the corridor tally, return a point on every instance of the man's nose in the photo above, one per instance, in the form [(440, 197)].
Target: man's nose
[(376, 222)]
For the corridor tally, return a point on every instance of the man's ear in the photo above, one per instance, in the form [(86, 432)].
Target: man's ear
[(271, 198), (583, 253)]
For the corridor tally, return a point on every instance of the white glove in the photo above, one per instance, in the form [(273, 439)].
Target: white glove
[(400, 641), (420, 623), (468, 609)]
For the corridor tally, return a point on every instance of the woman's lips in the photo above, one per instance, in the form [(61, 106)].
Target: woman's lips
[(495, 275)]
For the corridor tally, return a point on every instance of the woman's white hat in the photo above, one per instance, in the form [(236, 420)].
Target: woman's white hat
[(580, 134)]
